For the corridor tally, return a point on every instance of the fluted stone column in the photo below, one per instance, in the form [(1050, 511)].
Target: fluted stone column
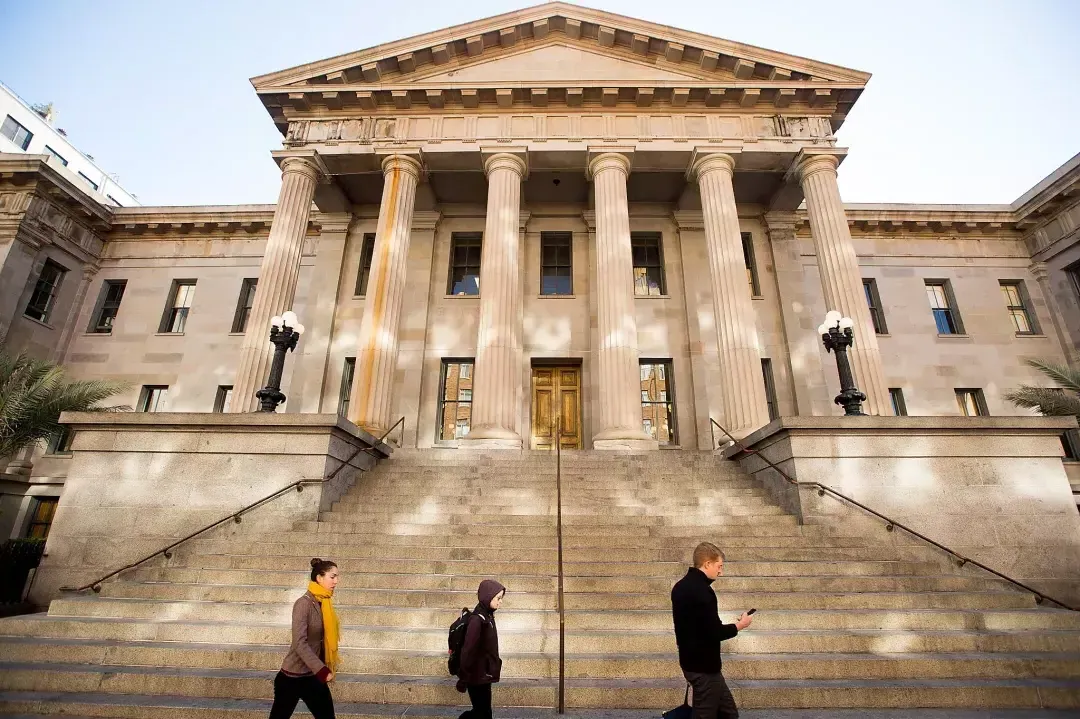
[(497, 376), (1041, 273), (841, 278), (619, 401), (277, 277), (371, 402), (743, 390), (68, 332)]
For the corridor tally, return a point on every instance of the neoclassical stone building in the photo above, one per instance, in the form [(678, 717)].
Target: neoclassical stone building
[(554, 221)]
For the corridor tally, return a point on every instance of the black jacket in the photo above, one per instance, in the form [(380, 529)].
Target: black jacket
[(480, 662), (698, 629)]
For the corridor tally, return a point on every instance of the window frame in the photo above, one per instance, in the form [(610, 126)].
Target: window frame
[(60, 443), (367, 254), (36, 520), (53, 153), (168, 317), (637, 239), (669, 403), (1024, 307), (557, 241), (464, 241), (750, 259), (952, 315), (103, 305), (979, 398), (148, 398), (1073, 273), (248, 286), (28, 136), (873, 302), (53, 291), (223, 399), (440, 417), (348, 372), (770, 388), (88, 180), (899, 403)]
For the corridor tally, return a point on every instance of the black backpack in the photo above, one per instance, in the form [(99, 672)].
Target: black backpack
[(456, 640)]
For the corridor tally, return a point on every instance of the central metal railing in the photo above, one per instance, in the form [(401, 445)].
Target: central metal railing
[(557, 431), (237, 516), (890, 524)]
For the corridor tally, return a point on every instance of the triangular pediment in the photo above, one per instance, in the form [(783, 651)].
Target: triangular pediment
[(558, 63)]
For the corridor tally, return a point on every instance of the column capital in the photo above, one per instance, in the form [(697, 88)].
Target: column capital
[(780, 222), (332, 222), (408, 163), (589, 218), (513, 161), (687, 220), (425, 219), (1039, 271), (303, 162), (611, 159), (709, 158), (816, 159)]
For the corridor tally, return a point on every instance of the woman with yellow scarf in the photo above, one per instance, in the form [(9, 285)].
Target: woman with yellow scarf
[(312, 660)]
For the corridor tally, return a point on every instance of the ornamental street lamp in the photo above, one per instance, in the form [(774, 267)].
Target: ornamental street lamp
[(284, 332), (836, 333)]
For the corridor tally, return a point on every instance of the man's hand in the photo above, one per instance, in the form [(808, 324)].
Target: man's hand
[(743, 621), (330, 677)]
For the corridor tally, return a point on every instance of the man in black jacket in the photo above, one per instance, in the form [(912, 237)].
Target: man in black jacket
[(699, 631)]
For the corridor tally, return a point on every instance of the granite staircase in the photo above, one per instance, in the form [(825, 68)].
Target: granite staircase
[(843, 621)]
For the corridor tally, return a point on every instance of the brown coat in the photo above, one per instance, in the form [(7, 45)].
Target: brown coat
[(305, 655)]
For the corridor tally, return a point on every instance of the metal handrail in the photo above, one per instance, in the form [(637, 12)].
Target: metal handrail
[(559, 536), (890, 524), (236, 516)]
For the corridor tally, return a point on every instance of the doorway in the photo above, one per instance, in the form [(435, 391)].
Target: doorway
[(556, 406)]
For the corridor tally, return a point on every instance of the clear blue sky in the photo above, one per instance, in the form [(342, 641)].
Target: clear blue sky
[(970, 101)]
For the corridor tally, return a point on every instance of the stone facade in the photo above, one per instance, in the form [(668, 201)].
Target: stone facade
[(555, 119)]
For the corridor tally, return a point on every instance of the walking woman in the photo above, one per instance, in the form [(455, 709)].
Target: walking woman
[(480, 662), (313, 656)]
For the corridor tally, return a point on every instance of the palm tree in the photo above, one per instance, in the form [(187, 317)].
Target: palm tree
[(1060, 401), (33, 393)]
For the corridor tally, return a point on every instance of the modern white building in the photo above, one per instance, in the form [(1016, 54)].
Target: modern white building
[(24, 129)]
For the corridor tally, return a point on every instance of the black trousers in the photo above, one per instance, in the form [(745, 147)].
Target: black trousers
[(480, 696), (712, 698), (290, 690)]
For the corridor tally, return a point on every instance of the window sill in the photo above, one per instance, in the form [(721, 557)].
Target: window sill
[(652, 297), (57, 455), (359, 297), (955, 336), (882, 334), (38, 322), (556, 297), (237, 334), (97, 334), (1031, 335), (757, 297), (461, 297), (168, 334)]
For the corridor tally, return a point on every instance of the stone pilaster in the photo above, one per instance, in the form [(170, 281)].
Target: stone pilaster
[(278, 273), (1041, 274), (497, 377), (743, 387), (619, 400), (68, 332), (841, 279), (371, 403)]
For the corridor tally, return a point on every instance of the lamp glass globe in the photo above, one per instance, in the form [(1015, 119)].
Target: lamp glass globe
[(299, 329), (275, 321), (832, 318), (289, 318), (846, 323)]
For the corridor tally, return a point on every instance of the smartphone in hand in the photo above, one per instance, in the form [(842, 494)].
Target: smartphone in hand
[(751, 612)]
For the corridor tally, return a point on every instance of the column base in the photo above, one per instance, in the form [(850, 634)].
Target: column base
[(624, 438), (490, 437)]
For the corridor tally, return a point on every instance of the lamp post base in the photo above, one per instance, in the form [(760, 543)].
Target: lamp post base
[(270, 398)]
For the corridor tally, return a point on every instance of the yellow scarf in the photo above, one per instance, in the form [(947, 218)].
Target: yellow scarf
[(331, 630)]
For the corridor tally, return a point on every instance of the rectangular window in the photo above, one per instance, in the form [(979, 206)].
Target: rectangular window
[(1073, 271), (45, 290), (223, 400), (972, 403), (464, 264), (1070, 444), (89, 181), (455, 400), (367, 251), (112, 293), (556, 263), (42, 517), (873, 301), (176, 309), (54, 154), (751, 263), (114, 200), (15, 132), (345, 392), (899, 407), (244, 304), (658, 401), (942, 304), (648, 264), (1016, 303), (770, 388), (153, 398), (60, 443)]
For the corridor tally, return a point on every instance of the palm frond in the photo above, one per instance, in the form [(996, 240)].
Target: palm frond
[(1048, 401), (1068, 378)]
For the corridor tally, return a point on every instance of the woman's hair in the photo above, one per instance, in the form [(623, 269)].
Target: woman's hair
[(320, 567)]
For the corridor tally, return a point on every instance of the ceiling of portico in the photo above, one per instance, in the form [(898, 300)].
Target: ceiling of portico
[(563, 54)]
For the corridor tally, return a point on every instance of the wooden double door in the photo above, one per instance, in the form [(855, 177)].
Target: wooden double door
[(556, 406)]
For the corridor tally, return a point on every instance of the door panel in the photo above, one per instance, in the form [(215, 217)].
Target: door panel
[(556, 398)]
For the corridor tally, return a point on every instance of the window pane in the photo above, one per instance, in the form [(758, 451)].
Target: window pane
[(15, 132), (937, 296), (455, 411), (367, 252), (658, 402), (896, 395), (345, 392), (153, 398), (45, 290), (1012, 295)]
